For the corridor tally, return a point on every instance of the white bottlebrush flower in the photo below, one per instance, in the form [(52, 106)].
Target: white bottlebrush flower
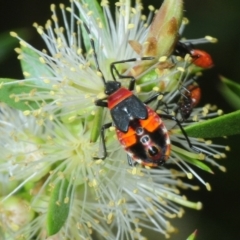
[(48, 148)]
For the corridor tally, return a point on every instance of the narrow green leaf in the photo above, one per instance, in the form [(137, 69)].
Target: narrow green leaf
[(192, 158), (7, 42), (34, 67), (231, 84), (225, 125), (231, 91), (193, 236), (94, 6), (58, 209), (8, 92), (198, 163), (96, 126), (232, 98)]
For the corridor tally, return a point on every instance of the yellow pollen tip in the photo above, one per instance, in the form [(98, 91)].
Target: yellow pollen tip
[(138, 89), (209, 142), (112, 128), (138, 230), (90, 13), (134, 171), (104, 3), (40, 30), (98, 161), (99, 74), (222, 168), (52, 7), (216, 156), (160, 97), (110, 216), (180, 69), (227, 148), (26, 113), (201, 156), (61, 5), (18, 50), (185, 21), (189, 175), (101, 95), (220, 112), (134, 11), (68, 9), (151, 7), (208, 186), (195, 188), (199, 205), (13, 34), (72, 118), (187, 57), (143, 17), (135, 191), (26, 74), (23, 44), (42, 60), (211, 39), (130, 26), (163, 59)]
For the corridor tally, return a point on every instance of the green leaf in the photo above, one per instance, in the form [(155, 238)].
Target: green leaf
[(96, 125), (58, 209), (231, 91), (235, 87), (34, 67), (145, 79), (225, 125), (9, 91), (192, 236), (7, 42), (192, 159), (96, 10), (198, 163), (94, 7)]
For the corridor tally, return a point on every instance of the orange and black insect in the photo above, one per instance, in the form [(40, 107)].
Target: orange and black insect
[(139, 129), (200, 58), (189, 99)]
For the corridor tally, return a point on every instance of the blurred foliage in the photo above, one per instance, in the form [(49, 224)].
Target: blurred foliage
[(230, 91), (8, 43)]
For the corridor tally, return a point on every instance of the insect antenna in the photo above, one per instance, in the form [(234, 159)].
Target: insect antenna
[(94, 52)]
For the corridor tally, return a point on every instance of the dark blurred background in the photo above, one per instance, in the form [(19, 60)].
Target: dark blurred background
[(219, 218)]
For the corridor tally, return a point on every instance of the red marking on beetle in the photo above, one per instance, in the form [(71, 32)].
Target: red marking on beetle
[(146, 141), (115, 98), (201, 58)]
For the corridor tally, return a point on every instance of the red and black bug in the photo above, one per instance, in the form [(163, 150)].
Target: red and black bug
[(189, 99), (139, 129), (200, 58)]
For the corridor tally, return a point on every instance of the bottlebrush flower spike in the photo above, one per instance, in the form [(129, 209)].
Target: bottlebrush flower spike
[(163, 32), (48, 147)]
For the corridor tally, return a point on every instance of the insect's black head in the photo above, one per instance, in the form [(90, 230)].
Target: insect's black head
[(111, 87), (181, 49)]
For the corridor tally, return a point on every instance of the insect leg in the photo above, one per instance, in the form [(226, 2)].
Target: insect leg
[(102, 139), (154, 97), (132, 79), (170, 117), (131, 163)]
